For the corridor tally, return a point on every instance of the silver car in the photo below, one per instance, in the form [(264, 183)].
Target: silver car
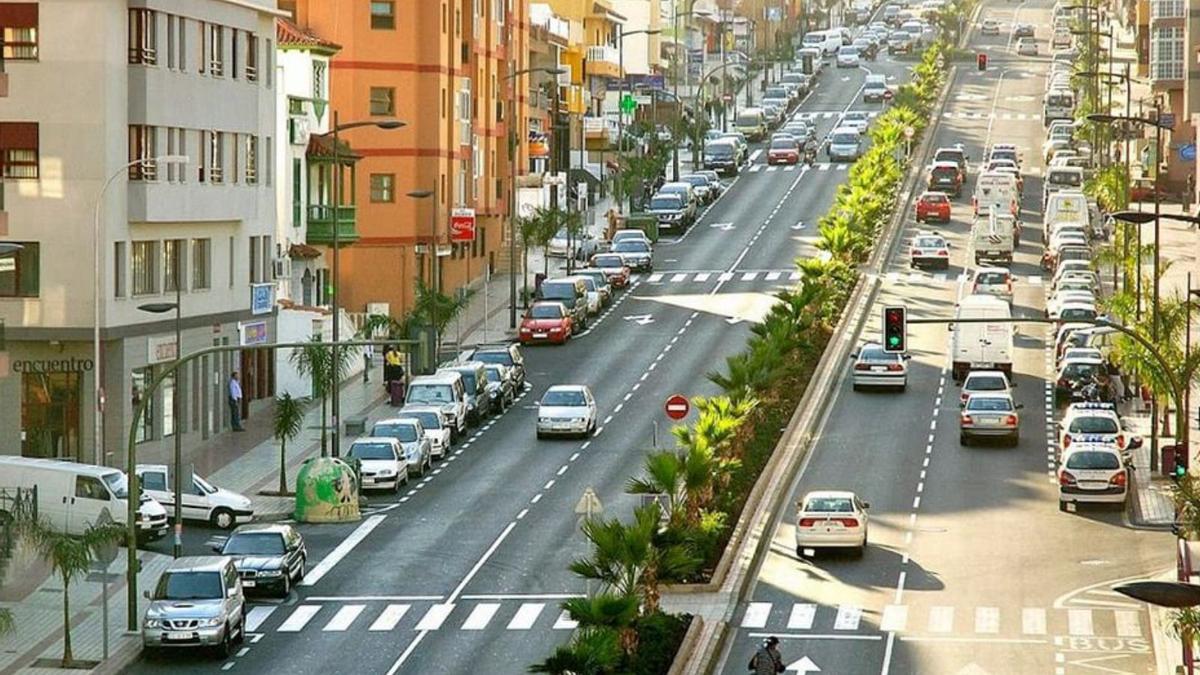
[(566, 410), (198, 602), (433, 422), (418, 451)]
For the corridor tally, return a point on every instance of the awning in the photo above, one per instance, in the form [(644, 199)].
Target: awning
[(303, 252)]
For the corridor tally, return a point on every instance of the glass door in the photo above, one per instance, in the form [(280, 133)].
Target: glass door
[(50, 412)]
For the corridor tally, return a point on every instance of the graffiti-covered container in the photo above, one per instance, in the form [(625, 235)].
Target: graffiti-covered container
[(326, 492)]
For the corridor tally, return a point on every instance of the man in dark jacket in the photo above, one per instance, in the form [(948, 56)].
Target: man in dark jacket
[(767, 660)]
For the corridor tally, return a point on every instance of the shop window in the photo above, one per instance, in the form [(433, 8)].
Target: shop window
[(19, 149), (20, 271), (50, 411), (139, 383), (20, 22)]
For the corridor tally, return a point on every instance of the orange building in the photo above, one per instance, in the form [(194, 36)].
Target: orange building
[(439, 66)]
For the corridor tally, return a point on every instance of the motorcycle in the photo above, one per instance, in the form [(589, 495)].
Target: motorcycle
[(810, 155)]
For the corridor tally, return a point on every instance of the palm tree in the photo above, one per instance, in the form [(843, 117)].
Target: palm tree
[(315, 361), (664, 475), (434, 308), (287, 423), (7, 625), (69, 556), (593, 651), (608, 611)]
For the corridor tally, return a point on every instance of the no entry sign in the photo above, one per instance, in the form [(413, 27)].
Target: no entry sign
[(677, 406), (462, 225)]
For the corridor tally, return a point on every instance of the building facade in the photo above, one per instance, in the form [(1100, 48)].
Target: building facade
[(99, 126)]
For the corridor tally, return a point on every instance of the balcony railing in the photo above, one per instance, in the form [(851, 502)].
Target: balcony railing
[(605, 53), (320, 224)]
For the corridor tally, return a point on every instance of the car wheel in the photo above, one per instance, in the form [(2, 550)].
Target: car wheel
[(540, 435), (856, 386), (225, 649), (287, 587), (1062, 506), (300, 574), (963, 439), (396, 485), (223, 518)]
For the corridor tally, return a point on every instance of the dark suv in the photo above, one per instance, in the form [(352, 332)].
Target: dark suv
[(672, 211), (508, 354), (723, 156)]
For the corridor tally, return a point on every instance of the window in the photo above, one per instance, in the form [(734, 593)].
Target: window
[(318, 83), (252, 160), (173, 267), (172, 149), (216, 156), (1167, 9), (143, 36), (168, 403), (119, 271), (383, 187), (201, 264), (295, 106), (235, 174), (171, 39), (20, 22), (383, 14), (233, 53), (269, 166), (269, 55), (251, 57), (1166, 53), (145, 267), (143, 149), (268, 255), (216, 50), (383, 101), (154, 480), (232, 253), (19, 148), (182, 43), (20, 271), (297, 189), (139, 381), (181, 147), (255, 271), (88, 487)]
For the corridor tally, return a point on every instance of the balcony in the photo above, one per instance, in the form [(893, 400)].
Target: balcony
[(320, 225), (603, 60)]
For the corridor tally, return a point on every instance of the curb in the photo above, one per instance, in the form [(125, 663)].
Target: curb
[(1137, 519)]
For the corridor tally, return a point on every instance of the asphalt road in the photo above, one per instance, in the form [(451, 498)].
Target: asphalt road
[(971, 566), (469, 567)]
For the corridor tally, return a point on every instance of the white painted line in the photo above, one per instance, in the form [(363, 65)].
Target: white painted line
[(895, 618), (847, 618), (703, 276), (794, 276), (524, 512), (756, 615), (390, 616), (773, 276), (941, 619), (344, 617), (1128, 623), (435, 617), (343, 549), (655, 278), (565, 622), (749, 276), (754, 155), (536, 498), (563, 469), (802, 616), (574, 457), (298, 619), (256, 616), (1033, 621), (481, 616), (678, 277), (549, 484), (526, 616), (987, 619), (1079, 621)]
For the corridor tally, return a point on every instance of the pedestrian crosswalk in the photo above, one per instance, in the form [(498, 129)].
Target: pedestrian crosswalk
[(381, 616), (945, 620), (820, 166), (829, 114), (921, 277), (694, 276), (950, 115)]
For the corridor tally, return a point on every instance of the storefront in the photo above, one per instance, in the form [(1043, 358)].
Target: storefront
[(51, 393)]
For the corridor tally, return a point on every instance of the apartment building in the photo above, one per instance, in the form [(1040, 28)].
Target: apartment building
[(1168, 72), (439, 66), (102, 95)]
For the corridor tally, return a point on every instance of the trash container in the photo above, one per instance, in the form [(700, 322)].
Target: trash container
[(396, 393)]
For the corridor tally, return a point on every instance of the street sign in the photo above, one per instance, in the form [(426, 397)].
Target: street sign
[(1188, 152), (1167, 120), (589, 504), (677, 406), (628, 104), (462, 225)]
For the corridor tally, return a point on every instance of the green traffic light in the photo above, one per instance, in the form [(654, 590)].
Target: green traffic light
[(1180, 471), (893, 340)]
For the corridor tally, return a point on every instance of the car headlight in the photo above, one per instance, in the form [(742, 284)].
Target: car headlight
[(214, 621), (270, 573), (152, 623), (544, 420), (580, 420), (387, 473)]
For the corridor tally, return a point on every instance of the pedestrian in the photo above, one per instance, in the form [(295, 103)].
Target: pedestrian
[(1189, 193), (1118, 384), (767, 660), (368, 354), (235, 402), (393, 367)]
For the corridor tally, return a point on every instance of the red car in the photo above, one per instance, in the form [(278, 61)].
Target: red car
[(614, 268), (546, 322), (783, 151), (933, 206)]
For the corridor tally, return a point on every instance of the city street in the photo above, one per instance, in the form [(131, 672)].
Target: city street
[(470, 565), (971, 566)]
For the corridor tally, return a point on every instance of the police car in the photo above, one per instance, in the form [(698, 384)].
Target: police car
[(1097, 420), (1094, 471)]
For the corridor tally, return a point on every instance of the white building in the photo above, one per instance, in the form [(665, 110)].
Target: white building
[(93, 87)]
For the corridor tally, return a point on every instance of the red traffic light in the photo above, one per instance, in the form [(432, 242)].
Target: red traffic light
[(981, 61)]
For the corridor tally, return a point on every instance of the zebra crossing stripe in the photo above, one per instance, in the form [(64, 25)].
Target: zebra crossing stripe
[(790, 167), (725, 276), (987, 619), (299, 618), (344, 617), (678, 277), (843, 167), (756, 615), (1035, 280), (756, 168), (893, 277), (749, 276), (1079, 621), (1128, 623), (435, 616), (565, 622), (655, 278), (895, 618), (915, 277), (772, 168), (941, 276), (794, 276), (773, 276), (802, 616), (941, 619), (481, 616), (1033, 621), (823, 167), (256, 616), (847, 618), (390, 616), (703, 276), (526, 616)]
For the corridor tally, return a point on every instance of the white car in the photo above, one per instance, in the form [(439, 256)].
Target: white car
[(383, 463), (1058, 299), (1092, 471), (594, 299), (433, 422), (997, 281), (1078, 310), (1027, 47), (201, 500), (831, 519), (580, 245), (1098, 421), (990, 415), (566, 409), (984, 382), (856, 119), (989, 27), (847, 57), (873, 367), (930, 248), (638, 235)]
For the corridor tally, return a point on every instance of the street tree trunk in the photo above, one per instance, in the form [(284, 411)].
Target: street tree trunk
[(68, 658), (282, 466)]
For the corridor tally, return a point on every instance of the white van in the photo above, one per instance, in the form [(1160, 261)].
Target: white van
[(994, 237), (1064, 206), (981, 346), (201, 500), (71, 497), (1059, 105), (446, 391), (996, 191), (827, 41), (1061, 178)]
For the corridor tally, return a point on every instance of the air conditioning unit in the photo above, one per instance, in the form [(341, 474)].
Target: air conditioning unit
[(282, 268), (298, 130)]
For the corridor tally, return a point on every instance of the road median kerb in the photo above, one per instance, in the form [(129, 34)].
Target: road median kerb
[(747, 544)]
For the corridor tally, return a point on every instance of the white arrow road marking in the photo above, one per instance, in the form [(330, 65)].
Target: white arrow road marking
[(722, 226), (804, 665), (733, 320), (799, 226), (640, 319)]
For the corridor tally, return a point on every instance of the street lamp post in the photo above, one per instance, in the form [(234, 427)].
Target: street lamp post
[(691, 10), (337, 204), (177, 431), (98, 296), (621, 98)]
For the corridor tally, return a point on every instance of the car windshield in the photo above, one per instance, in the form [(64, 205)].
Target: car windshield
[(986, 383), (545, 312), (429, 393), (856, 116), (991, 404), (844, 139), (372, 450), (1071, 313), (783, 144), (751, 120), (1094, 425), (719, 149), (429, 420), (948, 156), (493, 375), (189, 586), (876, 353), (254, 543), (991, 278), (564, 397), (848, 50), (468, 379), (664, 203), (405, 433), (1079, 371), (828, 505), (698, 181), (503, 358), (930, 242), (607, 261), (1095, 460), (631, 246), (117, 484)]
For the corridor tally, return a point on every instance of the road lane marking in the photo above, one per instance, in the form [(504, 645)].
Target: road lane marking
[(702, 277), (435, 616), (565, 622), (1033, 621), (526, 616), (343, 549), (802, 616), (1079, 621), (987, 619), (756, 615), (1128, 623), (847, 618), (388, 619), (344, 617), (481, 616), (895, 618), (678, 277), (941, 619), (256, 616), (524, 512), (298, 619)]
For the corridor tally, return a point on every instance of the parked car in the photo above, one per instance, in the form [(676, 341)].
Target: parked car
[(614, 267), (507, 354), (577, 245), (269, 557), (671, 211), (475, 385), (566, 409), (447, 393), (414, 442), (599, 282), (546, 322), (594, 299), (383, 462), (500, 388), (197, 602), (572, 293), (636, 255), (701, 185), (201, 500), (723, 155), (434, 424)]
